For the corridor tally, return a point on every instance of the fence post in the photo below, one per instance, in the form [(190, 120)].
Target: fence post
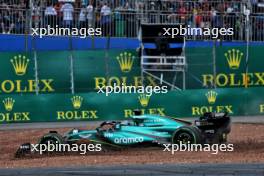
[(214, 63), (71, 65), (35, 66), (247, 13)]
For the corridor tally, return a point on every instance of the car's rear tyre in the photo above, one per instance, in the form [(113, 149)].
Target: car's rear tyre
[(186, 135)]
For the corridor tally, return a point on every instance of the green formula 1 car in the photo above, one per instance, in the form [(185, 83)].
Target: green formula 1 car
[(211, 128)]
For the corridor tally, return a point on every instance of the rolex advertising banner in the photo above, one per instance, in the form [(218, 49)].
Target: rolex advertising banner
[(18, 75), (85, 71), (231, 66), (38, 86), (56, 67), (93, 106)]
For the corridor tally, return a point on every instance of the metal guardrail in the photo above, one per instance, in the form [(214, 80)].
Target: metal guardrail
[(163, 63)]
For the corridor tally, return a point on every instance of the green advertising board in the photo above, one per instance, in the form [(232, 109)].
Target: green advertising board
[(55, 72), (96, 106), (37, 87)]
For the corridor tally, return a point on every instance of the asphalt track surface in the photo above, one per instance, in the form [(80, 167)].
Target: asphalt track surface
[(145, 170)]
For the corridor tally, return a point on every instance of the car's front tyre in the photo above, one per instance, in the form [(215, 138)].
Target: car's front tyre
[(52, 138)]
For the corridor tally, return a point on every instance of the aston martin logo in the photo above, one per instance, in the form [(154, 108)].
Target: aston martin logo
[(85, 136)]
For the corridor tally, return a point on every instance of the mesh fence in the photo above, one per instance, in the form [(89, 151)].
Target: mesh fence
[(118, 19)]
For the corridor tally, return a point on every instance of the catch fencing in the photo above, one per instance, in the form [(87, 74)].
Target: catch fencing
[(123, 20)]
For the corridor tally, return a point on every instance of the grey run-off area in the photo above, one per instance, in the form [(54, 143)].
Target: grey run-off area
[(144, 170)]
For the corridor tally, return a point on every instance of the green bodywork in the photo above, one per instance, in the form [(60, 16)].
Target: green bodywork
[(141, 129)]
